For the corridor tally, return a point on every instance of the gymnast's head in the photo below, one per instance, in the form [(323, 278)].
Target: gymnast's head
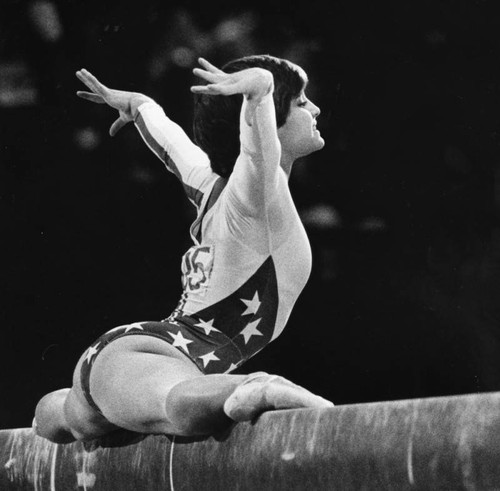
[(216, 119)]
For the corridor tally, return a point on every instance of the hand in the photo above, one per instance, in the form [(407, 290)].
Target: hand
[(254, 82), (125, 102)]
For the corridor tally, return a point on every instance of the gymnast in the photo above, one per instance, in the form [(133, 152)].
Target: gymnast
[(249, 262)]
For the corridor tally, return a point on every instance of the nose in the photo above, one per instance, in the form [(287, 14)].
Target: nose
[(315, 110)]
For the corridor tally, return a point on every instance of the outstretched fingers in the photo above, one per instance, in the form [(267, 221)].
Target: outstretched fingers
[(213, 89), (209, 67), (117, 126), (90, 96), (91, 82), (201, 89), (208, 76), (216, 78)]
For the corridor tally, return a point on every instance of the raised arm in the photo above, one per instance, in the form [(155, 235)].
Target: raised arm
[(164, 137), (255, 174)]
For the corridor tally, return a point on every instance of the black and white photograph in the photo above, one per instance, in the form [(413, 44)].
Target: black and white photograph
[(249, 245)]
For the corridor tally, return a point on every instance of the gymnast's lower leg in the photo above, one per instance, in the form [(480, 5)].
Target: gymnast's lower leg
[(211, 402), (151, 393)]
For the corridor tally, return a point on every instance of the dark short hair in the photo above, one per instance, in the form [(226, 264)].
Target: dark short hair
[(216, 118)]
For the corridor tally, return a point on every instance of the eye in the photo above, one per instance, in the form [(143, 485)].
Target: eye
[(302, 103)]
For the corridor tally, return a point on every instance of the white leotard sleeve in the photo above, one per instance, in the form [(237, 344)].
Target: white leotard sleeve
[(253, 183), (175, 149)]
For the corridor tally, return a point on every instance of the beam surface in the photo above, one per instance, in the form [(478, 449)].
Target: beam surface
[(435, 443)]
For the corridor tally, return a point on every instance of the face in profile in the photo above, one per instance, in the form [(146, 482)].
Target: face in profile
[(299, 135)]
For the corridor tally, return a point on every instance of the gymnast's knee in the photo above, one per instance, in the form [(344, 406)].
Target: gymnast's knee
[(49, 421)]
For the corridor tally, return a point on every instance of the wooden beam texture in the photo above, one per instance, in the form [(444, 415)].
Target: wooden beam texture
[(424, 444)]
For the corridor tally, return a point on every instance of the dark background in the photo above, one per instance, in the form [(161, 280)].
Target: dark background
[(400, 206)]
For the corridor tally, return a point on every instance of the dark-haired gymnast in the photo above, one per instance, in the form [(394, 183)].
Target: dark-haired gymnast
[(249, 262)]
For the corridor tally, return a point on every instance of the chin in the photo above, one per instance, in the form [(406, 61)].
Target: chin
[(312, 146), (318, 145)]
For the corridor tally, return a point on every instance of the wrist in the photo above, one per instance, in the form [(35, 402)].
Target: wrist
[(263, 85), (136, 101)]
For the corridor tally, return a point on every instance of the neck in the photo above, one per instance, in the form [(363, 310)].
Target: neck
[(286, 164)]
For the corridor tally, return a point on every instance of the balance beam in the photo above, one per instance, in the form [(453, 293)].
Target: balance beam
[(434, 443)]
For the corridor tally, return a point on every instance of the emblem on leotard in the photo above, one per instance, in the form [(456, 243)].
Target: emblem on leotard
[(197, 266)]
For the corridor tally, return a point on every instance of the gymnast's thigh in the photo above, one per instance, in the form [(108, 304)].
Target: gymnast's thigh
[(131, 378)]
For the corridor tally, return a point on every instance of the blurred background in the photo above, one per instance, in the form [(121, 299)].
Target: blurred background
[(401, 206)]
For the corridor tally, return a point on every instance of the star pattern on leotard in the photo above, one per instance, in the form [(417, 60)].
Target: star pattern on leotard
[(252, 305), (135, 325), (251, 330), (208, 358), (91, 352), (232, 367), (207, 326), (180, 341), (127, 327), (231, 330)]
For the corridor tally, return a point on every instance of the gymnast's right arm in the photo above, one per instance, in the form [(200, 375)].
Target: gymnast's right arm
[(165, 138)]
